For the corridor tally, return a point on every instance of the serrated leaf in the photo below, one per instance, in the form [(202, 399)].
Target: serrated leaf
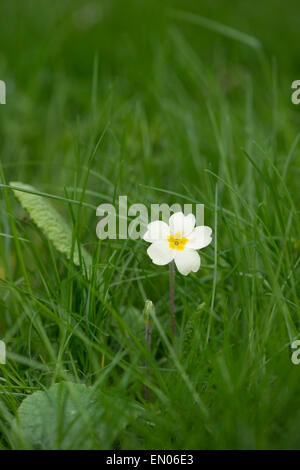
[(50, 222)]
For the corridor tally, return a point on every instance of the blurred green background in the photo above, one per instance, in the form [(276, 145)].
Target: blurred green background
[(162, 101), (72, 68)]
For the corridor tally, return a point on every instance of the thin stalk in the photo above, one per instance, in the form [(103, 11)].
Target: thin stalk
[(172, 296), (148, 342)]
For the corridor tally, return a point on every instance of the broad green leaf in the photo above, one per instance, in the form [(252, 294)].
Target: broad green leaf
[(71, 416), (58, 418), (50, 222)]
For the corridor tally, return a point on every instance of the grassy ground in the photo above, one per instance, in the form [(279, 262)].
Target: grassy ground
[(137, 98)]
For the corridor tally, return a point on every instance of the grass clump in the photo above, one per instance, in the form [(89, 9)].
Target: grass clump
[(163, 106)]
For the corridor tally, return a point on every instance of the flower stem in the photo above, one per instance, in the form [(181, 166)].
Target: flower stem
[(148, 342), (149, 311), (172, 294)]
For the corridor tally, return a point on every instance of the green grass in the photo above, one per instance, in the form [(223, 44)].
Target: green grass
[(163, 102)]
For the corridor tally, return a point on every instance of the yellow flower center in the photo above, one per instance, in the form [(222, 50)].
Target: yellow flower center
[(176, 242)]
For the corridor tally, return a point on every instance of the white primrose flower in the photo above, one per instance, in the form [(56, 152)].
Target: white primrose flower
[(177, 241)]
